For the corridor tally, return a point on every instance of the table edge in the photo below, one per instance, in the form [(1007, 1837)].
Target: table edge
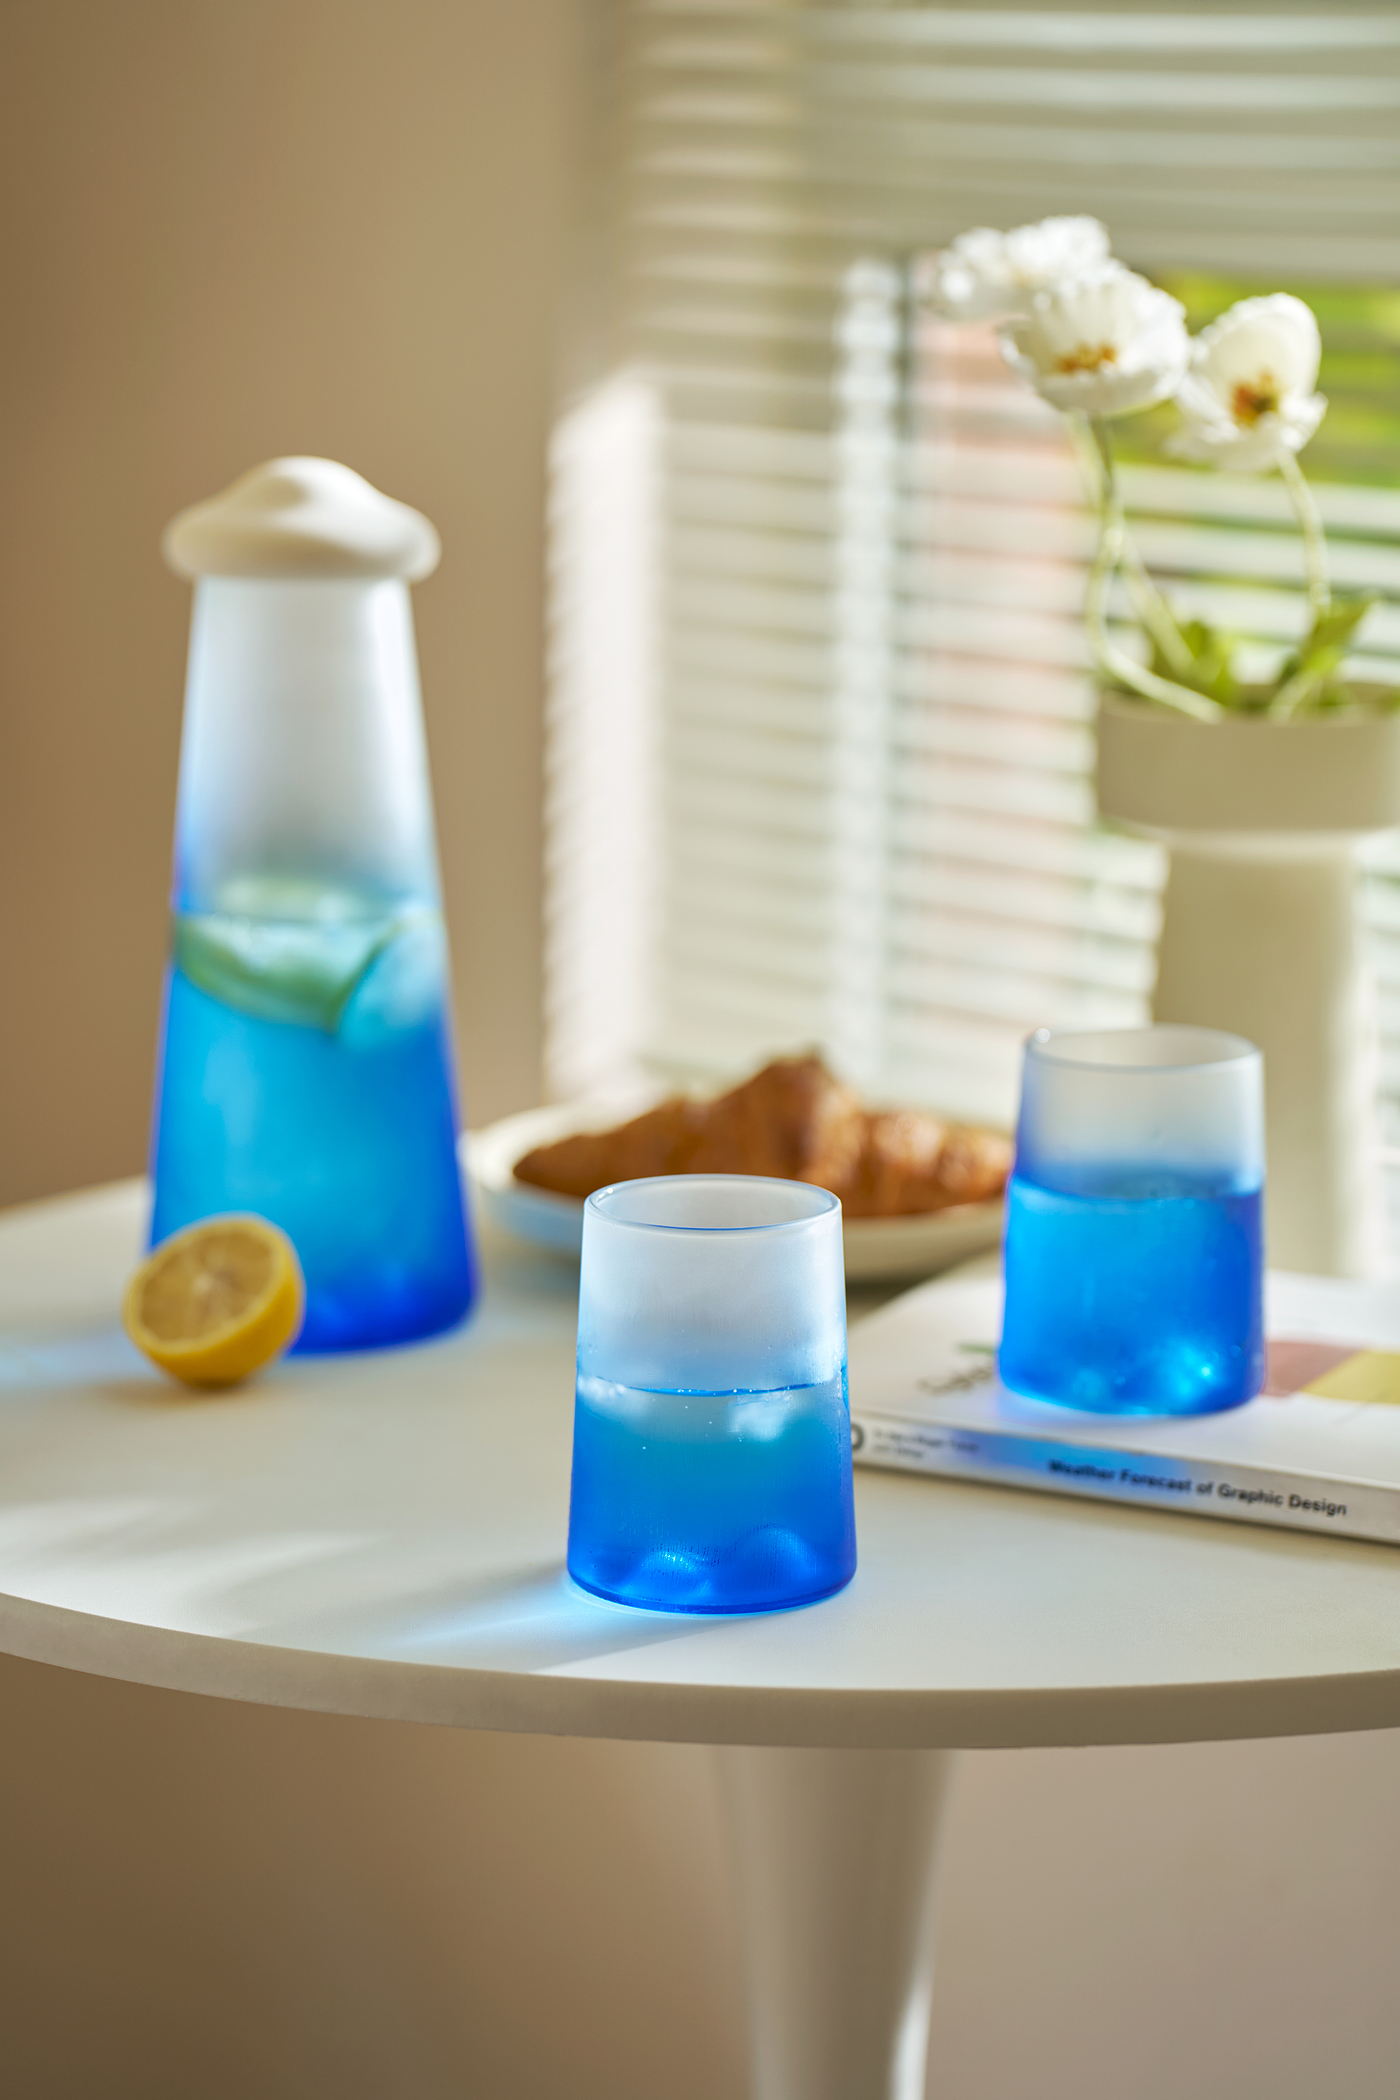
[(509, 1702)]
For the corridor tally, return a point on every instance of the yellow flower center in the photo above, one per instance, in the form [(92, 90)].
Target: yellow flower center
[(1253, 398), (1086, 357)]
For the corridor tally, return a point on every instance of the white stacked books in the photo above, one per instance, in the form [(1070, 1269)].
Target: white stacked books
[(1319, 1450)]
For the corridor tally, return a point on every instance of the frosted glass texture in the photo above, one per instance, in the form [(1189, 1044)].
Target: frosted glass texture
[(303, 753), (306, 1066), (1134, 1260), (712, 1437)]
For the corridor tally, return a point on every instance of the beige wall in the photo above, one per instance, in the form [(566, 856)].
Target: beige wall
[(230, 231)]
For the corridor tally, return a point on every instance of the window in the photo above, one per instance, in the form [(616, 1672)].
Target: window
[(819, 558)]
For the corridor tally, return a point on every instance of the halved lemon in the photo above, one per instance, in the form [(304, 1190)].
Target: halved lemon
[(217, 1301)]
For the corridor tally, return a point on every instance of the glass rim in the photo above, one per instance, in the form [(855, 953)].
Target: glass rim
[(826, 1205), (1047, 1046)]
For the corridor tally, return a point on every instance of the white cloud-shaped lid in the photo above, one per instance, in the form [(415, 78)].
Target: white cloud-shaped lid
[(301, 517)]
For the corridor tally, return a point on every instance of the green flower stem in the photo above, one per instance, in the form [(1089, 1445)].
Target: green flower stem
[(1310, 526), (1096, 455), (1305, 682), (1114, 662)]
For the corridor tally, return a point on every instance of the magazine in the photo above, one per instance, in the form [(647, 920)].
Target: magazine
[(1318, 1450)]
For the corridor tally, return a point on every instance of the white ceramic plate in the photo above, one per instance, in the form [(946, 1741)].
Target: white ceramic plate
[(877, 1249)]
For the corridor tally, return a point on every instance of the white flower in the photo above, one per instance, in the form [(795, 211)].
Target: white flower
[(1249, 396), (986, 275), (1104, 344)]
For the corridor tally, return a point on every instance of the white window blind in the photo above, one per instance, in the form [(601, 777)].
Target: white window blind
[(819, 558)]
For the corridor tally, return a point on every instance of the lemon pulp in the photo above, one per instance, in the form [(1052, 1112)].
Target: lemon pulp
[(217, 1301)]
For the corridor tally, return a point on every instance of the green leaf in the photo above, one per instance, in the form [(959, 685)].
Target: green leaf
[(1212, 663), (1331, 633), (1308, 677)]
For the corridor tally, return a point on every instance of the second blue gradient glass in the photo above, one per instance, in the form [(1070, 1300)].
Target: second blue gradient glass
[(712, 1433), (1134, 1260)]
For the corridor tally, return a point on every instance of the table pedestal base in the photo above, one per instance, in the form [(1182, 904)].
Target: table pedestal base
[(835, 1855)]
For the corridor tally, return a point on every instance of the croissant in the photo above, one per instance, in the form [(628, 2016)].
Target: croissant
[(794, 1120)]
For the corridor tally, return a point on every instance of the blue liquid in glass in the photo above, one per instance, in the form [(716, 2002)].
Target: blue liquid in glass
[(306, 1075), (712, 1502), (1133, 1304)]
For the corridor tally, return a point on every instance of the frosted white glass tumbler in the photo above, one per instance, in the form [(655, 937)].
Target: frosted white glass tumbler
[(1134, 1263), (712, 1434)]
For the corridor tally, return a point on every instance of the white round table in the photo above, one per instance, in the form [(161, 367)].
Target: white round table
[(383, 1535)]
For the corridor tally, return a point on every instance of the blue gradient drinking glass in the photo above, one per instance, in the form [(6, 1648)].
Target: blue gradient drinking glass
[(1134, 1265), (712, 1432)]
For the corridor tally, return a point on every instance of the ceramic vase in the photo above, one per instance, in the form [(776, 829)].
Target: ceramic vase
[(1263, 821)]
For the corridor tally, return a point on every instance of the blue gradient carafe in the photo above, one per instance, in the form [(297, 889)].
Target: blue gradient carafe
[(306, 1065)]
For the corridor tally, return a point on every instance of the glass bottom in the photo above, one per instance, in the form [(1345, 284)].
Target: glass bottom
[(715, 1611), (1147, 1305), (349, 1147), (712, 1502)]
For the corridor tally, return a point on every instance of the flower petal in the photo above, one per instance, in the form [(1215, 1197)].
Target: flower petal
[(1245, 449), (1104, 344), (1260, 357), (985, 274)]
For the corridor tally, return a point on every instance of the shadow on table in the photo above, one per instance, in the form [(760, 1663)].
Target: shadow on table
[(531, 1618)]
